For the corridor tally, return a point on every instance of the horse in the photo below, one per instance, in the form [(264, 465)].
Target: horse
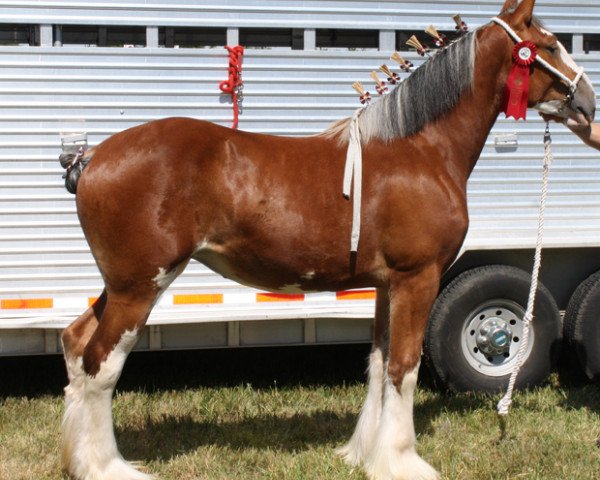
[(268, 212)]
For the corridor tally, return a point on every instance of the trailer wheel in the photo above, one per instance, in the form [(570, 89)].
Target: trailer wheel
[(475, 330), (582, 325)]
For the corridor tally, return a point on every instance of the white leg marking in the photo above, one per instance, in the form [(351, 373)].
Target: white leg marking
[(309, 275), (89, 446), (393, 456), (164, 278), (356, 450)]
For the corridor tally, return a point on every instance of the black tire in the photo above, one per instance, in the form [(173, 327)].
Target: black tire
[(582, 325), (483, 298)]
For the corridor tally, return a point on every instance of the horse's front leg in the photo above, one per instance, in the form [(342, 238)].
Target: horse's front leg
[(356, 450), (393, 456)]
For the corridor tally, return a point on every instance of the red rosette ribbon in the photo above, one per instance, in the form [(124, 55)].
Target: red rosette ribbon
[(516, 90)]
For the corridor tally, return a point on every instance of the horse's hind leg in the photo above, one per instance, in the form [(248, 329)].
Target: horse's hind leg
[(74, 339), (356, 450), (95, 359)]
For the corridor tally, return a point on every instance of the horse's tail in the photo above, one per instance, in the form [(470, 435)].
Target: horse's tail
[(73, 163), (74, 159)]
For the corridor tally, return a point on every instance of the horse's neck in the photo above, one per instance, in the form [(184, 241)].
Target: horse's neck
[(461, 134)]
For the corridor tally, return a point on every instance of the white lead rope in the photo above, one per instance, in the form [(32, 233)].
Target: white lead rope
[(353, 171), (504, 403)]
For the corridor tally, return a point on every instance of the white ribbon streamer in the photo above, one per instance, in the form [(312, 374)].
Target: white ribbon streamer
[(353, 171)]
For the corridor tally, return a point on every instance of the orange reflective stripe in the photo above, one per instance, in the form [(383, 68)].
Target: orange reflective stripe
[(356, 295), (92, 300), (279, 297), (18, 303), (200, 298)]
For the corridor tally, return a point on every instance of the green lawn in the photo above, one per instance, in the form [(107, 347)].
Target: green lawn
[(286, 423)]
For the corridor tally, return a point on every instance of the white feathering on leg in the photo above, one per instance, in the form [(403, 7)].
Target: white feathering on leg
[(89, 446), (393, 456), (356, 450)]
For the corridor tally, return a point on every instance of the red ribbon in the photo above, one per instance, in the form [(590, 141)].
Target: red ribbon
[(381, 89), (516, 90), (394, 79), (234, 82)]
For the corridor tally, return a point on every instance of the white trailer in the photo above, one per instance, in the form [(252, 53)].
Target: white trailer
[(66, 67)]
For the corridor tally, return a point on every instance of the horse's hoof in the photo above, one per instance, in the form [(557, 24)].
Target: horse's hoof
[(350, 455), (407, 465)]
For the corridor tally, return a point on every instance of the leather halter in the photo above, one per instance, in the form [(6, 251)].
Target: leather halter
[(571, 83)]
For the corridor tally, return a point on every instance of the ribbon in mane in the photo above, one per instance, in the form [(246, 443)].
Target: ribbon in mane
[(516, 90)]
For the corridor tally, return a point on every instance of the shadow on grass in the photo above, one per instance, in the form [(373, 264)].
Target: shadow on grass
[(580, 392), (35, 376), (262, 367), (172, 436)]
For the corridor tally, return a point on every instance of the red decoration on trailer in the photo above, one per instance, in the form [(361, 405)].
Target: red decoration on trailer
[(234, 85)]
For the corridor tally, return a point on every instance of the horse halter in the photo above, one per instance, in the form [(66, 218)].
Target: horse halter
[(571, 83)]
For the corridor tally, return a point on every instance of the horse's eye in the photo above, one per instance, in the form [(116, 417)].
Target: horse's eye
[(552, 49)]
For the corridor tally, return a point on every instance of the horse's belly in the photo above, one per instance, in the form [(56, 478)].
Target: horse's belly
[(285, 273), (254, 270)]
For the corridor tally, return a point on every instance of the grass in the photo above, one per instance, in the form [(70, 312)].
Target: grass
[(280, 413)]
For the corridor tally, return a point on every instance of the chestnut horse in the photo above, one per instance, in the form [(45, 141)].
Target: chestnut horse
[(269, 212)]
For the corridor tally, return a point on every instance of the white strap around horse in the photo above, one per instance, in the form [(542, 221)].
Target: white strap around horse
[(572, 83), (353, 170)]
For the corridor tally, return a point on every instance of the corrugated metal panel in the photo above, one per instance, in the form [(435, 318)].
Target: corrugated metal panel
[(46, 91), (581, 16)]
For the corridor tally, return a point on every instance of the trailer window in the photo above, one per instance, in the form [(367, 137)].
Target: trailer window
[(121, 36), (17, 34), (591, 43), (192, 37), (347, 39), (266, 37), (103, 36), (567, 40)]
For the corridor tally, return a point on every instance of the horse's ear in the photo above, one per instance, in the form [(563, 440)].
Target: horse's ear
[(508, 4), (524, 13)]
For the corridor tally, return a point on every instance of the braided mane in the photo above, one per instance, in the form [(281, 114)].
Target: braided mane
[(431, 90)]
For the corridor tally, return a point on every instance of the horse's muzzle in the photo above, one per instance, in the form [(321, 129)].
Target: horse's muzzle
[(583, 103)]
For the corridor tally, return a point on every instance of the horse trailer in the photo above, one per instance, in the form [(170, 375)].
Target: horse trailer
[(82, 71)]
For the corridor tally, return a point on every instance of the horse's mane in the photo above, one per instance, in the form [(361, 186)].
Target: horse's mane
[(431, 90)]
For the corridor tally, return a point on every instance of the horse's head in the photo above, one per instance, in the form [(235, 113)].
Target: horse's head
[(564, 92)]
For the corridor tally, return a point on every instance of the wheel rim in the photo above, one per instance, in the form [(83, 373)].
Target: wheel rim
[(492, 335)]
